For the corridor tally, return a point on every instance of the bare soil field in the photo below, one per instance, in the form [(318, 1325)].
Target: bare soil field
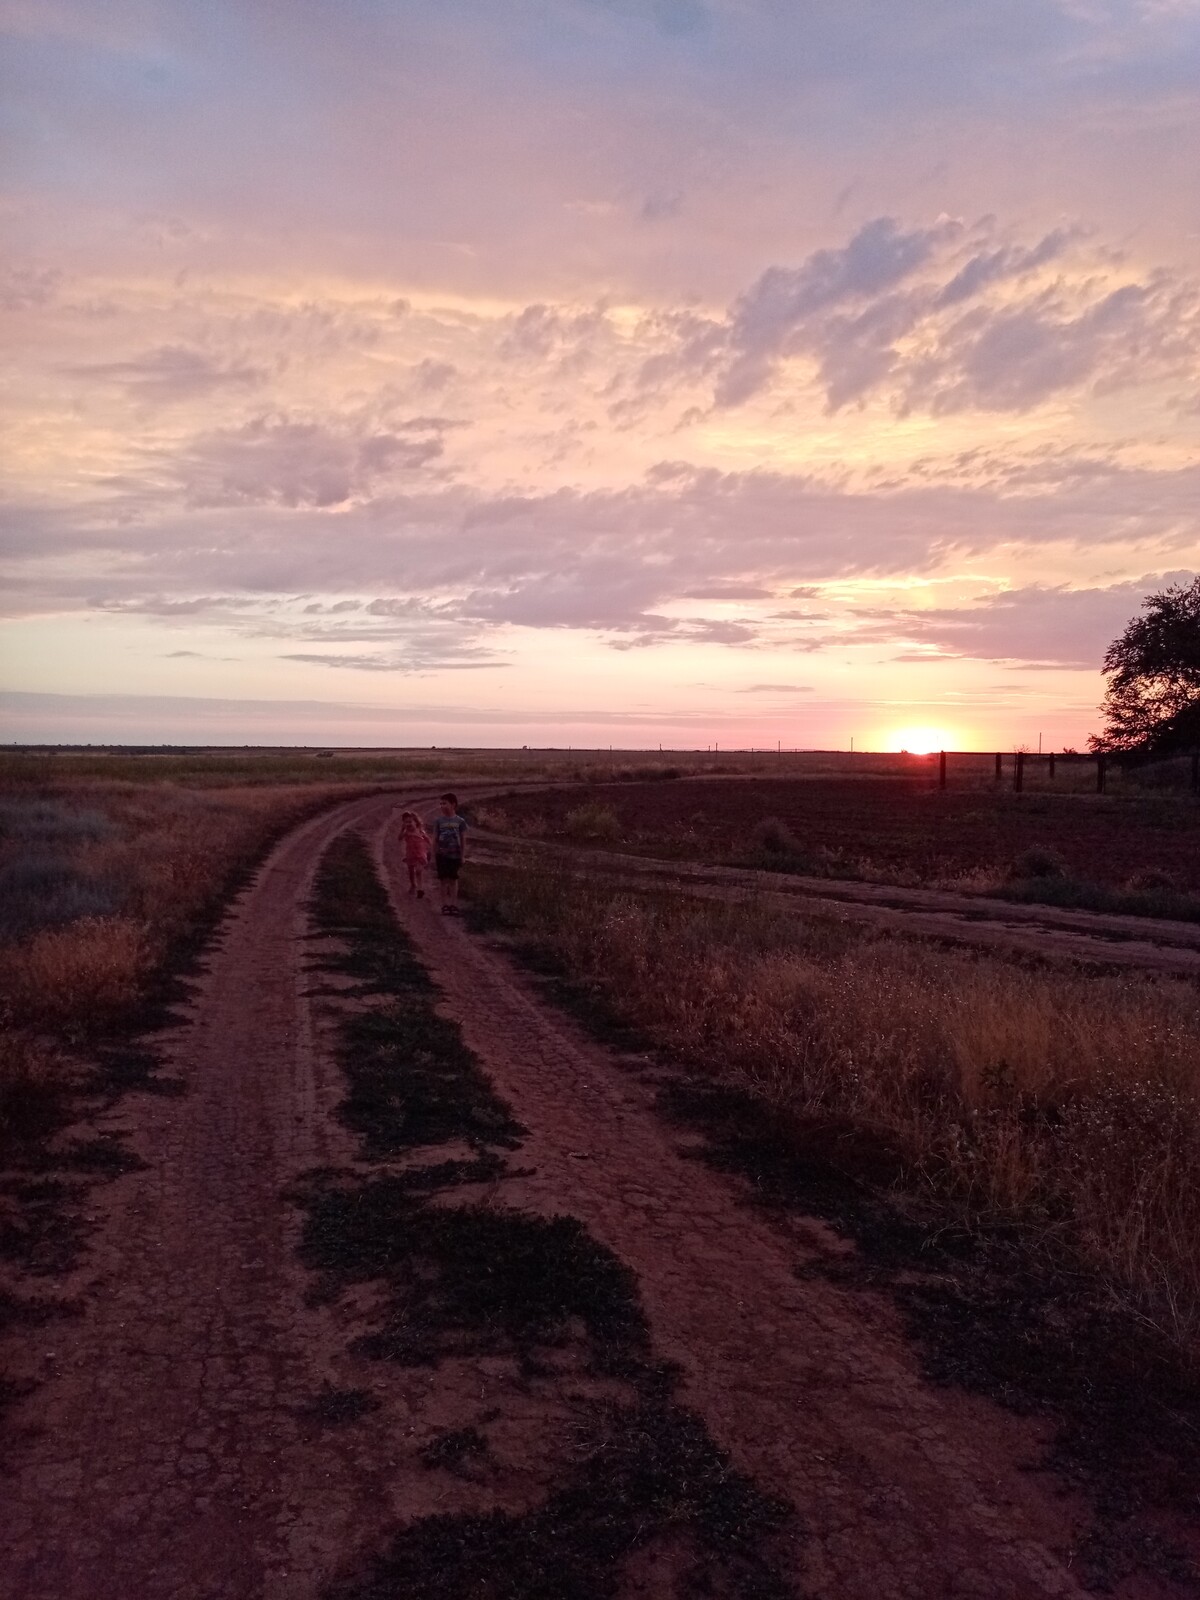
[(893, 825)]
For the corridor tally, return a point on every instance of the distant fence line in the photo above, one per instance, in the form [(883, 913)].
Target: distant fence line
[(1049, 764)]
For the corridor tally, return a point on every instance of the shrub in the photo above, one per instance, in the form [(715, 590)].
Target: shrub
[(46, 892), (1152, 879), (774, 838), (1039, 861), (593, 821), (89, 970), (52, 821)]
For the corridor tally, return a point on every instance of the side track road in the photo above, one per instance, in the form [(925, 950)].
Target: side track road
[(1054, 933)]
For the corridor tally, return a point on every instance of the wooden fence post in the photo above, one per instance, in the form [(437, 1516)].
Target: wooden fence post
[(941, 769), (999, 766), (1019, 772), (1101, 774), (1052, 766)]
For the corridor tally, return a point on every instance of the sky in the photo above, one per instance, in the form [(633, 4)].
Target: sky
[(694, 372)]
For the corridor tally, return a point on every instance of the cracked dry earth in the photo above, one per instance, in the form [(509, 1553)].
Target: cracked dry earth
[(179, 1444)]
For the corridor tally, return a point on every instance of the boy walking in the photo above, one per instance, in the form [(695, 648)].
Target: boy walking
[(449, 851)]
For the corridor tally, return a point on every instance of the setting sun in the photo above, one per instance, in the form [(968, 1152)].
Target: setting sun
[(921, 741)]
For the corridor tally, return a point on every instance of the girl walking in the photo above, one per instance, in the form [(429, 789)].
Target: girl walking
[(416, 851)]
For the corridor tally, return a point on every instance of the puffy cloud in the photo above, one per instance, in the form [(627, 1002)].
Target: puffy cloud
[(775, 317), (279, 461), (988, 266), (935, 319)]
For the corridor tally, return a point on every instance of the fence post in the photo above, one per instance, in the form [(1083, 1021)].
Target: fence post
[(1052, 766), (1019, 772), (999, 766), (1196, 772), (941, 769), (1101, 764)]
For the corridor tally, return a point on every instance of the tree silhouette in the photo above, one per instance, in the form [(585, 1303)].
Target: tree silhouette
[(1152, 703)]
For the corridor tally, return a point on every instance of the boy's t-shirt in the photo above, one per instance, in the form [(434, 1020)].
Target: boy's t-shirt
[(448, 835)]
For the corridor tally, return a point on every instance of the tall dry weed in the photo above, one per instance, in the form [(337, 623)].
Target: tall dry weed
[(89, 971)]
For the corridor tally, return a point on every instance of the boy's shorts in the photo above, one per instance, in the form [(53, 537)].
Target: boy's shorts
[(447, 867)]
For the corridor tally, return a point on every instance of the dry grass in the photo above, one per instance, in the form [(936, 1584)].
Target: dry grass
[(103, 884), (90, 970), (1068, 1103), (155, 859)]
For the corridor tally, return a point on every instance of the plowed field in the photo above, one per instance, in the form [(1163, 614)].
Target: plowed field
[(894, 825)]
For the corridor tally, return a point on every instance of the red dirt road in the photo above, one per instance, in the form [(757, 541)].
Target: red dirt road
[(169, 1452)]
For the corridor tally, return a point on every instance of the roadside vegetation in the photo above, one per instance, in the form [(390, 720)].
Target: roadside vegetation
[(106, 885), (1064, 1106)]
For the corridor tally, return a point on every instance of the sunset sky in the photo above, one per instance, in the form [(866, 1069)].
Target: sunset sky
[(592, 371)]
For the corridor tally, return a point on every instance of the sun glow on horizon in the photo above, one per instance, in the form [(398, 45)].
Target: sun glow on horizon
[(922, 741)]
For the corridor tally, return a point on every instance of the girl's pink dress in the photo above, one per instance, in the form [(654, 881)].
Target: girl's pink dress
[(416, 847)]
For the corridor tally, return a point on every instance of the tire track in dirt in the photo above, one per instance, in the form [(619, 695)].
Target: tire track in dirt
[(905, 1491), (1049, 932)]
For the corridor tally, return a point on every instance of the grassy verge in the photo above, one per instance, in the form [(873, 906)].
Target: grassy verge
[(460, 1279), (1016, 1152), (105, 889)]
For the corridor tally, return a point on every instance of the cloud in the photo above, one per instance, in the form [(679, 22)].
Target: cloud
[(38, 715), (433, 377), (938, 319), (771, 319), (730, 590), (1038, 626), (28, 288), (660, 207), (280, 461), (777, 688), (419, 661), (988, 267), (170, 373), (612, 561)]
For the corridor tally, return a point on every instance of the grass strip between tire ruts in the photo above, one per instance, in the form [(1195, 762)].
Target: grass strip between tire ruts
[(466, 1280)]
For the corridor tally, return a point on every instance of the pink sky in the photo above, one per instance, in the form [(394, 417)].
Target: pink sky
[(593, 371)]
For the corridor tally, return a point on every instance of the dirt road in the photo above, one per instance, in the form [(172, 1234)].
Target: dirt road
[(181, 1442)]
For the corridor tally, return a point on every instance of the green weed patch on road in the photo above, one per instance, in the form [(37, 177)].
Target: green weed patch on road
[(464, 1279)]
